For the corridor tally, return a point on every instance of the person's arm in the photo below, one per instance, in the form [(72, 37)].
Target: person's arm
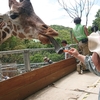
[(96, 60), (95, 57), (86, 31)]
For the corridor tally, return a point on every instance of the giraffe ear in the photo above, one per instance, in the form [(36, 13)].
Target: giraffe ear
[(11, 2)]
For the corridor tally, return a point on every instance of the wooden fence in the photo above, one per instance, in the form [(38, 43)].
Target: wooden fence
[(22, 86)]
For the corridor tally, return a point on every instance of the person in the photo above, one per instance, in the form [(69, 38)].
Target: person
[(80, 34), (47, 60), (92, 62), (94, 28), (66, 47)]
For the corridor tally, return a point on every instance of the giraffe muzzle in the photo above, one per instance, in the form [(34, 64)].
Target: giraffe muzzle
[(58, 49)]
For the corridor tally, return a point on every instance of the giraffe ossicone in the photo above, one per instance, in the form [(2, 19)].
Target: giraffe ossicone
[(22, 22)]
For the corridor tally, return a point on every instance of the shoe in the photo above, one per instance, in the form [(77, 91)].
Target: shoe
[(79, 69)]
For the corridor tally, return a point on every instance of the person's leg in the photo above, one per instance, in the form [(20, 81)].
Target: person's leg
[(79, 65), (80, 68), (85, 51)]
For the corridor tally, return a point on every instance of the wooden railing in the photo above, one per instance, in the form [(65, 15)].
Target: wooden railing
[(22, 86)]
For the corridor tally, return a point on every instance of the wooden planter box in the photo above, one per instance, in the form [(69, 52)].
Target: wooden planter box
[(22, 86)]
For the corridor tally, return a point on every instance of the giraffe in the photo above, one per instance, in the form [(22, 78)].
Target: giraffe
[(22, 22), (30, 25)]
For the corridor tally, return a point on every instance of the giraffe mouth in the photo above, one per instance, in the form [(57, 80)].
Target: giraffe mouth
[(58, 49)]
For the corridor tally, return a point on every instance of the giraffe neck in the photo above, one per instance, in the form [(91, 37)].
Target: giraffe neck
[(23, 33), (5, 31)]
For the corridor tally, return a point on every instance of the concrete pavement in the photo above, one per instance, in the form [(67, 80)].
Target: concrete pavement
[(71, 87), (92, 92)]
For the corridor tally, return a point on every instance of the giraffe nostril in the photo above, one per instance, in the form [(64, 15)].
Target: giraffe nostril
[(45, 26)]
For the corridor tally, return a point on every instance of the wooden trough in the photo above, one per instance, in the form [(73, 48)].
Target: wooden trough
[(22, 86)]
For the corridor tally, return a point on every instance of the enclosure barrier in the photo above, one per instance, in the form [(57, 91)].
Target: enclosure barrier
[(10, 67), (25, 53), (27, 64), (22, 86), (7, 71)]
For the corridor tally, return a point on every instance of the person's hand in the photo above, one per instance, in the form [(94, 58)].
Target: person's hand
[(96, 60), (74, 52)]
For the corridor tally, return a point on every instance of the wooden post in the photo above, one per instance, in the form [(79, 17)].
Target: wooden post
[(27, 60)]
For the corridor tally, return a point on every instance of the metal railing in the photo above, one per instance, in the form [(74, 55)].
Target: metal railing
[(21, 61), (26, 63)]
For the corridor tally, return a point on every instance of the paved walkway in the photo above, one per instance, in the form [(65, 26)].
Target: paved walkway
[(71, 87), (92, 92)]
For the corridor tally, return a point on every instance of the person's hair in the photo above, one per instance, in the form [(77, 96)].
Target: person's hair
[(45, 58), (64, 41), (77, 20), (94, 28)]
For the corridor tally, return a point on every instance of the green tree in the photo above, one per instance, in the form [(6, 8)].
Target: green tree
[(15, 43), (97, 19), (76, 8), (64, 33)]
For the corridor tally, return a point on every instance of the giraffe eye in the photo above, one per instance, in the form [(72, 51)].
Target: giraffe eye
[(14, 16)]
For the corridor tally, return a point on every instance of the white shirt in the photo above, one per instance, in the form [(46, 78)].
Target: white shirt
[(67, 55)]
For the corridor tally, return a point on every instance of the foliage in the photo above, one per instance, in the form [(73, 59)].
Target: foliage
[(64, 33), (12, 58), (89, 30), (15, 43), (55, 57), (97, 19), (11, 44), (36, 58)]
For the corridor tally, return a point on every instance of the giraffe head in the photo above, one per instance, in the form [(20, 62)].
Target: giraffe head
[(22, 13)]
